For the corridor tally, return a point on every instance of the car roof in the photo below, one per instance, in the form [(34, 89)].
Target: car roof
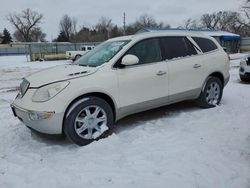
[(143, 35)]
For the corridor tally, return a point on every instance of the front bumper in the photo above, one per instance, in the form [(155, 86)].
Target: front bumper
[(244, 71), (44, 122)]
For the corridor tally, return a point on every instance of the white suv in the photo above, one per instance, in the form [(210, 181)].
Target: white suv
[(245, 69), (122, 76)]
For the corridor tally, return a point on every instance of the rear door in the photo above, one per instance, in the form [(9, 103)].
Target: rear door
[(184, 67)]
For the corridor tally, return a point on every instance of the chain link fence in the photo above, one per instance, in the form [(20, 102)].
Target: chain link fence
[(13, 49), (42, 51), (245, 44)]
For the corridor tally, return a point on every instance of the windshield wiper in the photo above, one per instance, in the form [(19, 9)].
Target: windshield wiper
[(83, 65)]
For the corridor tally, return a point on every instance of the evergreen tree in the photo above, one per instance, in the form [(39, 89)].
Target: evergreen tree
[(62, 37), (6, 38)]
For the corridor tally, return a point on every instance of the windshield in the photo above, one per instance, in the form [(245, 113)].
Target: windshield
[(102, 53)]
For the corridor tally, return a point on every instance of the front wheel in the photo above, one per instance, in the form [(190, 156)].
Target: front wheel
[(212, 93), (87, 120), (244, 78)]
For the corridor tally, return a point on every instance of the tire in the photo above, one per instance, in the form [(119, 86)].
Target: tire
[(212, 93), (88, 119), (244, 79), (77, 57)]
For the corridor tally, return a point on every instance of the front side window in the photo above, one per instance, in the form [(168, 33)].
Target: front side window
[(148, 51), (102, 53), (177, 47), (206, 45)]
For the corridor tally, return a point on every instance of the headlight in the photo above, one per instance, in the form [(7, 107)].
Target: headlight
[(47, 92), (243, 62)]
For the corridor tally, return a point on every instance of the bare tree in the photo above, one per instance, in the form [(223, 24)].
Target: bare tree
[(103, 30), (246, 10), (26, 23), (68, 26), (147, 21), (104, 26), (211, 21), (191, 24), (223, 20)]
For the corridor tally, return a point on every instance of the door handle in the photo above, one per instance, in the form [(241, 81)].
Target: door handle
[(196, 66), (160, 73)]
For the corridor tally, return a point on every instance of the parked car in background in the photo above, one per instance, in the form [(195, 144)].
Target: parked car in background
[(122, 76), (74, 55), (245, 69)]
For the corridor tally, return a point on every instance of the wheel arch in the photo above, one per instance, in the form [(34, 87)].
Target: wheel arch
[(218, 75)]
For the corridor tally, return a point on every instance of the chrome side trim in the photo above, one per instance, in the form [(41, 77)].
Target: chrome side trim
[(155, 103)]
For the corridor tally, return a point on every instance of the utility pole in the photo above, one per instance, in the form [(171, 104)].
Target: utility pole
[(124, 23)]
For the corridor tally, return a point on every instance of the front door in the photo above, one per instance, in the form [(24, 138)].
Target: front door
[(144, 85)]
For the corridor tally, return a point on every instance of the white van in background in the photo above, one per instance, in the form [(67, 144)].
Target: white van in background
[(74, 55)]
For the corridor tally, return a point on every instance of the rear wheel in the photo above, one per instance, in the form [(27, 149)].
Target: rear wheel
[(87, 120), (212, 93)]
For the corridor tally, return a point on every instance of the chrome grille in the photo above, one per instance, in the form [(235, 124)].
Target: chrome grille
[(24, 86)]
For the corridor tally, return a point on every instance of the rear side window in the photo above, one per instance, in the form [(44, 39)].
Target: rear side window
[(176, 47), (206, 45), (148, 51)]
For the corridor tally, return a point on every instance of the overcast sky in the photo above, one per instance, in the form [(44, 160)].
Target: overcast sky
[(88, 12)]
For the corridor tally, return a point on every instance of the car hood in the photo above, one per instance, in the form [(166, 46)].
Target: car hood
[(59, 73)]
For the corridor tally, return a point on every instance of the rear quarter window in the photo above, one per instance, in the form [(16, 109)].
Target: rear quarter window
[(206, 45)]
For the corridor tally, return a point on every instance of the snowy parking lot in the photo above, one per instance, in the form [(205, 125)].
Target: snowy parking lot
[(178, 146)]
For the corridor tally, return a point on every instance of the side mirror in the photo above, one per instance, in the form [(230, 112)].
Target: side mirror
[(130, 60)]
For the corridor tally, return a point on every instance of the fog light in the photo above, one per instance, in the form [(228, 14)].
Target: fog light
[(39, 116)]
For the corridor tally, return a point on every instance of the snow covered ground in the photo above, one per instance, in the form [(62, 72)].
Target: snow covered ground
[(178, 146)]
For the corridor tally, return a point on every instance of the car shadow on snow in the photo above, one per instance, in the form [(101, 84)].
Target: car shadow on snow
[(50, 139), (244, 82), (239, 81)]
